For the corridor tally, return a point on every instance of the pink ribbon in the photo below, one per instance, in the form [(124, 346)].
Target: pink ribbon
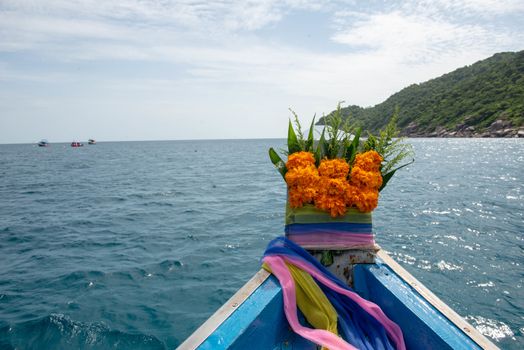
[(318, 336), (333, 238), (322, 337)]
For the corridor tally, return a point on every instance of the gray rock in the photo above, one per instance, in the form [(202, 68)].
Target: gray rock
[(509, 132), (500, 124)]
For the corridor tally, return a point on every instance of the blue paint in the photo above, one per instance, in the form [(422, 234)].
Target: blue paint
[(424, 327), (260, 323)]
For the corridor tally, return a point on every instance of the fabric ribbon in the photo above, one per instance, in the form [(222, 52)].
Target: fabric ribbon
[(361, 322), (312, 227)]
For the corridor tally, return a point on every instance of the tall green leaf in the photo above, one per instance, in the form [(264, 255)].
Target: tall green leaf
[(386, 178), (353, 147), (389, 175), (292, 141), (320, 147), (277, 161), (324, 146), (310, 137)]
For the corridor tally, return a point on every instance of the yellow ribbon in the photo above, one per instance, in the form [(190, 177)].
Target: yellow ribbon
[(312, 301)]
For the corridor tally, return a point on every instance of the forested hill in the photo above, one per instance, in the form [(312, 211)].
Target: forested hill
[(484, 99)]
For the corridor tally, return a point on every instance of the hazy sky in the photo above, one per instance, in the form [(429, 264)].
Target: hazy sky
[(160, 69)]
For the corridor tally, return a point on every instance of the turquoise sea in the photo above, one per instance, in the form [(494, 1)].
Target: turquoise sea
[(132, 245)]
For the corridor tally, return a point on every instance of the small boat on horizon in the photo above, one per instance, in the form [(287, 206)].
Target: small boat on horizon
[(91, 142), (76, 144), (43, 143)]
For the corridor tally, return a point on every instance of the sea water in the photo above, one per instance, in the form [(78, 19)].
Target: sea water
[(132, 245)]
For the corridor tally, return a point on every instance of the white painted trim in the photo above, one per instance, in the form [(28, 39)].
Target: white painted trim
[(213, 322), (431, 298)]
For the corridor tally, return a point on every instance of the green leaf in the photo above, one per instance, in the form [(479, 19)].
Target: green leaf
[(320, 146), (292, 141), (351, 152), (327, 258), (372, 143), (310, 137), (356, 139), (324, 144), (389, 175), (355, 143), (386, 178), (277, 161), (348, 153)]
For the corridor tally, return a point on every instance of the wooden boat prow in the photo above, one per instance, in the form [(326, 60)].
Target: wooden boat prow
[(253, 318)]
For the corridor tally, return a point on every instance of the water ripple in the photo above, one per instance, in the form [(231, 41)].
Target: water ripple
[(134, 244)]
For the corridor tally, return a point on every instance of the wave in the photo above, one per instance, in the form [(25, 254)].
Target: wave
[(496, 330), (58, 331), (101, 278)]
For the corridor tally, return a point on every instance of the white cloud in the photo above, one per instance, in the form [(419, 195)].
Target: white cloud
[(465, 8), (419, 39), (220, 53), (207, 16)]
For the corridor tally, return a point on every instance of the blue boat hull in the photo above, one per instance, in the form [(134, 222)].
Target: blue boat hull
[(254, 317)]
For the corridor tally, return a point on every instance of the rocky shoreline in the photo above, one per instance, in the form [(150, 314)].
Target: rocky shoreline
[(499, 128)]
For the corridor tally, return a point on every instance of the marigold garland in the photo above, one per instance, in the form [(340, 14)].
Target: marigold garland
[(328, 187), (366, 177), (302, 178)]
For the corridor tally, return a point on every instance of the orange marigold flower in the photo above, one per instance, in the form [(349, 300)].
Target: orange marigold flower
[(299, 160), (332, 187), (333, 168), (338, 208), (302, 177), (366, 179), (368, 201), (369, 161), (295, 198), (352, 195), (335, 205), (302, 185), (299, 196), (331, 195)]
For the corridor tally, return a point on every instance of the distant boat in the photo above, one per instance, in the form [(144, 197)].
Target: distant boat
[(91, 142), (76, 144), (43, 143)]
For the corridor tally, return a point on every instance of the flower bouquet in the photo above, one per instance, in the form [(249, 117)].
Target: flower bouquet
[(333, 183)]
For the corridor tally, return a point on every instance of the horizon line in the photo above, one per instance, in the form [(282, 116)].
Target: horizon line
[(149, 140)]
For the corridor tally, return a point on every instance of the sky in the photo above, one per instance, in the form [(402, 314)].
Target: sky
[(193, 69)]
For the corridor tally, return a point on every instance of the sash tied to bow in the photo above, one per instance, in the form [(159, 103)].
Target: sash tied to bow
[(342, 319)]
